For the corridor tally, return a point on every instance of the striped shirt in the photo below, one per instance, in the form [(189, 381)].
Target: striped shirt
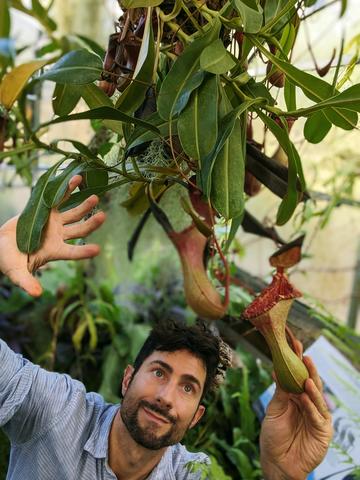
[(58, 430)]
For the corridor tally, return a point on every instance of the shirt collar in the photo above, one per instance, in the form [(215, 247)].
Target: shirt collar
[(98, 442)]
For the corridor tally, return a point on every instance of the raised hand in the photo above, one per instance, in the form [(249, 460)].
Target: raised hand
[(296, 431), (60, 227)]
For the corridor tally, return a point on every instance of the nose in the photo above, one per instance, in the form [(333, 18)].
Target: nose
[(166, 395)]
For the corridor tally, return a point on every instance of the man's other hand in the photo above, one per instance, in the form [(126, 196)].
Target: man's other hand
[(60, 227), (296, 431)]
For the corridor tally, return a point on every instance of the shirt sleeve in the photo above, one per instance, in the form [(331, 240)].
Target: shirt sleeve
[(31, 398)]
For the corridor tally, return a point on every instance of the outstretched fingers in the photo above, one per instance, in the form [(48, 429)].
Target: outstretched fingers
[(80, 230), (77, 213), (77, 252)]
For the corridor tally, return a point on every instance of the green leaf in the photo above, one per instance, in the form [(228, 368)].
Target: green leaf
[(184, 76), (35, 215), (226, 126), (287, 38), (283, 12), (290, 95), (92, 331), (17, 151), (272, 9), (78, 67), (287, 207), (348, 99), (5, 22), (235, 224), (295, 173), (57, 186), (134, 95), (314, 88), (139, 3), (242, 462), (92, 45), (316, 127), (65, 98), (96, 177), (278, 13), (343, 7), (197, 123), (216, 59), (78, 197), (94, 97), (79, 333), (258, 90), (41, 13), (102, 113), (82, 148), (227, 176), (251, 14)]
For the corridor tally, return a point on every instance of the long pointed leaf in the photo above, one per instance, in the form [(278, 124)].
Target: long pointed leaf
[(197, 123), (65, 98), (314, 88), (102, 113), (35, 215), (316, 127), (216, 59), (291, 198), (94, 97), (178, 82), (78, 67), (251, 16), (78, 197), (57, 186), (226, 126), (227, 176)]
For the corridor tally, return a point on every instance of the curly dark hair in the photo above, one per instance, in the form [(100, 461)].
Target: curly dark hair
[(170, 336)]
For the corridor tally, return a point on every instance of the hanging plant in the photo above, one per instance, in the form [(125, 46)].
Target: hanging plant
[(177, 77)]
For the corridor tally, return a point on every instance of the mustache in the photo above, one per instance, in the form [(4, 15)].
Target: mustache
[(156, 409)]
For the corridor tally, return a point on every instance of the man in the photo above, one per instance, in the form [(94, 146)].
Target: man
[(57, 430)]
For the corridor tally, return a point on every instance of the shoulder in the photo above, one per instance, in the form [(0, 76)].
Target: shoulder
[(187, 465)]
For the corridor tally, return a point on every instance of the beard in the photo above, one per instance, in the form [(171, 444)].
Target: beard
[(148, 437)]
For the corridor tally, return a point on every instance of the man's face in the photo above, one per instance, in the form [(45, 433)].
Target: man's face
[(161, 401)]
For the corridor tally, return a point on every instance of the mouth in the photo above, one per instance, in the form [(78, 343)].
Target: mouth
[(154, 416)]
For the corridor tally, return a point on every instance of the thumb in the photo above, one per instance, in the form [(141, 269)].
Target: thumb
[(279, 403), (26, 281)]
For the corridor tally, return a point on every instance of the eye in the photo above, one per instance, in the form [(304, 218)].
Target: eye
[(188, 388), (158, 373)]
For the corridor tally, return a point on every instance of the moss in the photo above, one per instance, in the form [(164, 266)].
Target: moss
[(4, 454)]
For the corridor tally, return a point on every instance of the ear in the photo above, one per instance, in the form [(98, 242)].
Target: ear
[(129, 370), (199, 413)]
